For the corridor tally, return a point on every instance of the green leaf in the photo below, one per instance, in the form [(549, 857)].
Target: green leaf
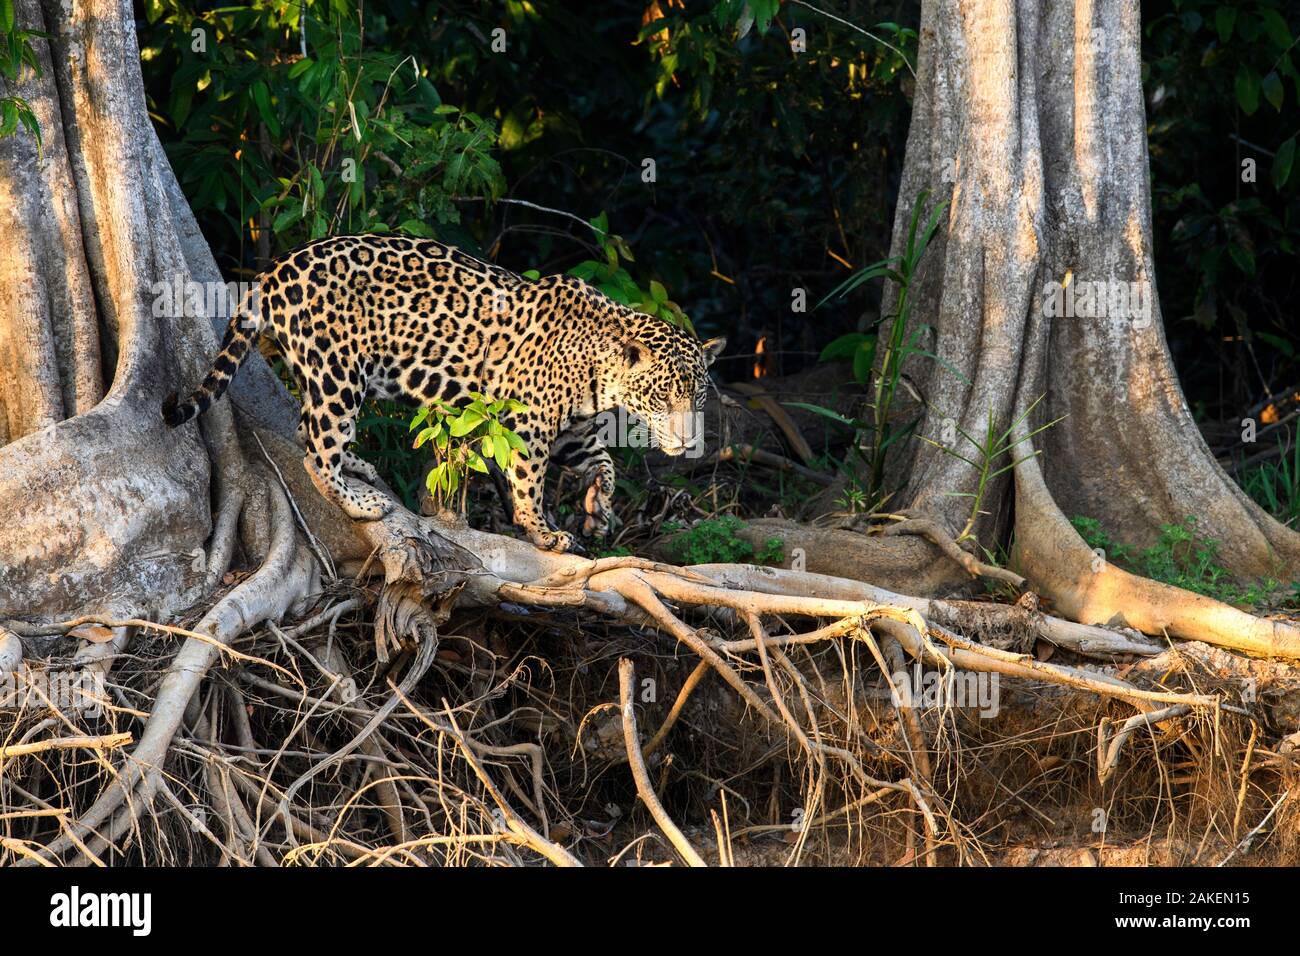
[(1224, 18), (416, 228), (287, 218), (308, 76), (1243, 257), (29, 121), (763, 12), (844, 348), (881, 269), (466, 423), (1279, 343), (8, 117), (1282, 163), (262, 98), (658, 292), (517, 443), (1271, 86), (1276, 28), (6, 16), (1247, 86), (434, 479), (863, 360), (824, 412)]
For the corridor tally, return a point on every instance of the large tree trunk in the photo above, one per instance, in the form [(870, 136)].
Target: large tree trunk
[(1029, 120), (105, 510)]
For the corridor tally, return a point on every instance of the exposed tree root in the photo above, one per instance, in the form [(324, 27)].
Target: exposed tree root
[(1088, 589), (636, 760), (284, 581), (931, 531), (392, 768)]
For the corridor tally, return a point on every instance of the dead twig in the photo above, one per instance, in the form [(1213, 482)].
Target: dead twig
[(641, 775)]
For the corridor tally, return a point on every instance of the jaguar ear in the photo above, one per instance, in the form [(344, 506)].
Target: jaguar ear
[(635, 355), (712, 349)]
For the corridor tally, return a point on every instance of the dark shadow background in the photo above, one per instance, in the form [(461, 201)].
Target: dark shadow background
[(774, 170)]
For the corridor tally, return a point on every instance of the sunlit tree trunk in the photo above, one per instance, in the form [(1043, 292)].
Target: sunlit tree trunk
[(105, 509), (1029, 120)]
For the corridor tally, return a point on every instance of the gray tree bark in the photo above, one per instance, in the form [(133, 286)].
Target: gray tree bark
[(1029, 119), (106, 510)]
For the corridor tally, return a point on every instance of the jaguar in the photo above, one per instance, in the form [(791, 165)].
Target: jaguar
[(396, 317)]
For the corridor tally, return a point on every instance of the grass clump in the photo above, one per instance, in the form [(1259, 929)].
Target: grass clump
[(715, 541), (1180, 557)]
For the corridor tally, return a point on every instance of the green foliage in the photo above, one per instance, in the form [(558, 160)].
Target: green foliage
[(384, 440), (854, 498), (714, 541), (900, 344), (1275, 485), (1181, 557), (17, 54), (611, 277), (989, 451), (1223, 93), (465, 439), (746, 14), (1095, 536), (345, 138)]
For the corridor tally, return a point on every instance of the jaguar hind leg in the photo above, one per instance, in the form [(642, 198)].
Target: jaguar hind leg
[(327, 438), (356, 465)]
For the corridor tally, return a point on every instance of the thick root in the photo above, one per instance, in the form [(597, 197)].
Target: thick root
[(1090, 590)]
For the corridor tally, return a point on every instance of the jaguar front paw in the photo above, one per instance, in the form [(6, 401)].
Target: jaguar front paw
[(557, 541)]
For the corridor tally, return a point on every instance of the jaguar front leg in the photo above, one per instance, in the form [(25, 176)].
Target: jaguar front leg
[(527, 477), (599, 501)]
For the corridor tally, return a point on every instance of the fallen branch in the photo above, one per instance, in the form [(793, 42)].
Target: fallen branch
[(106, 742), (748, 454), (1108, 751)]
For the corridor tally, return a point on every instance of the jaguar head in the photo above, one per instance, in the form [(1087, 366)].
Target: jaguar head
[(661, 375)]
